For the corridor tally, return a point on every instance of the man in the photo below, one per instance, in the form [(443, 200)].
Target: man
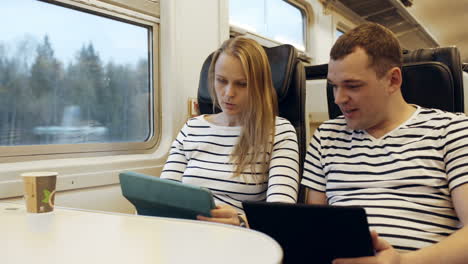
[(406, 165)]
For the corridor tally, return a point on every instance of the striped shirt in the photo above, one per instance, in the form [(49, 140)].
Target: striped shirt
[(200, 155), (403, 180)]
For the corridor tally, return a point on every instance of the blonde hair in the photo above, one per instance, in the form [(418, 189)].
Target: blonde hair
[(258, 129)]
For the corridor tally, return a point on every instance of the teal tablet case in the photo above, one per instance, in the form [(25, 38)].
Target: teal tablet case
[(161, 197)]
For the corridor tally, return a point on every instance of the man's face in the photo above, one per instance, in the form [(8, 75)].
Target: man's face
[(360, 94)]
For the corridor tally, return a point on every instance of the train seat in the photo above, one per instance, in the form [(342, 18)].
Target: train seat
[(449, 56), (288, 76)]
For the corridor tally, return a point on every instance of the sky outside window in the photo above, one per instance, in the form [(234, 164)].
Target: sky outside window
[(69, 30)]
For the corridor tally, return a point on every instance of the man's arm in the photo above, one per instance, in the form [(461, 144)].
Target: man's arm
[(451, 250), (316, 197)]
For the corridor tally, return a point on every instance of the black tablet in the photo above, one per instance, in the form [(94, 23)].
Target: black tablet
[(312, 233), (153, 196)]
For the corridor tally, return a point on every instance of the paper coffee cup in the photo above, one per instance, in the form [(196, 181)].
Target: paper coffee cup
[(39, 191)]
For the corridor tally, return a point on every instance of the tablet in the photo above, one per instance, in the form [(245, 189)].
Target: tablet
[(312, 233), (166, 198)]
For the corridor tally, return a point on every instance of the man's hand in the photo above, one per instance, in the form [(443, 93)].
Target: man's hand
[(386, 254)]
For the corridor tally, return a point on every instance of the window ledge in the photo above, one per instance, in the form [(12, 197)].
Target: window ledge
[(76, 173)]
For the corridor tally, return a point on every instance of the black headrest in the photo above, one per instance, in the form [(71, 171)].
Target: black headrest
[(281, 59), (449, 56), (316, 72), (465, 67), (429, 84)]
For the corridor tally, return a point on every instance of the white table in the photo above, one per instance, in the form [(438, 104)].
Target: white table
[(79, 236)]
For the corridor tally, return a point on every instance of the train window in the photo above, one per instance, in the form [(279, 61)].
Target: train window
[(261, 17), (338, 33), (76, 77)]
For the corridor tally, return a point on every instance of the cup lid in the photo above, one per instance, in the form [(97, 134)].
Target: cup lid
[(39, 174)]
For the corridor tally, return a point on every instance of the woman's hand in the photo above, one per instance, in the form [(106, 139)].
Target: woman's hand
[(222, 214)]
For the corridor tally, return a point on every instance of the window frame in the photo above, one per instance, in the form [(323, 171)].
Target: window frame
[(139, 12)]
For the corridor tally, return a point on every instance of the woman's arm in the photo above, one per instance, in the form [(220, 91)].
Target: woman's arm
[(224, 214), (283, 180), (176, 161)]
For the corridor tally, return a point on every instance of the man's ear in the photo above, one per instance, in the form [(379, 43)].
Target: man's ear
[(395, 80)]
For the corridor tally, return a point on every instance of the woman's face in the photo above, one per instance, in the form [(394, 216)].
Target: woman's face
[(230, 85)]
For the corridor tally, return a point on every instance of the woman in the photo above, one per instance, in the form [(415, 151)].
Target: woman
[(244, 152)]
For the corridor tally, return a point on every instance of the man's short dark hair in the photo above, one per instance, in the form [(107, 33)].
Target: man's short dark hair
[(380, 44)]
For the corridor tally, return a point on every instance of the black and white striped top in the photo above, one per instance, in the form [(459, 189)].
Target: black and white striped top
[(403, 179), (200, 155)]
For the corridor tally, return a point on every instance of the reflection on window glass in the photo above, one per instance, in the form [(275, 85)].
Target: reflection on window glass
[(71, 77), (275, 19)]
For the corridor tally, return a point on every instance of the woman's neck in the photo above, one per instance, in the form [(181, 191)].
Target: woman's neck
[(221, 119)]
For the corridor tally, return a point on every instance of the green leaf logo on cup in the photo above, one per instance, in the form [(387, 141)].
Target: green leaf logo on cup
[(48, 197)]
